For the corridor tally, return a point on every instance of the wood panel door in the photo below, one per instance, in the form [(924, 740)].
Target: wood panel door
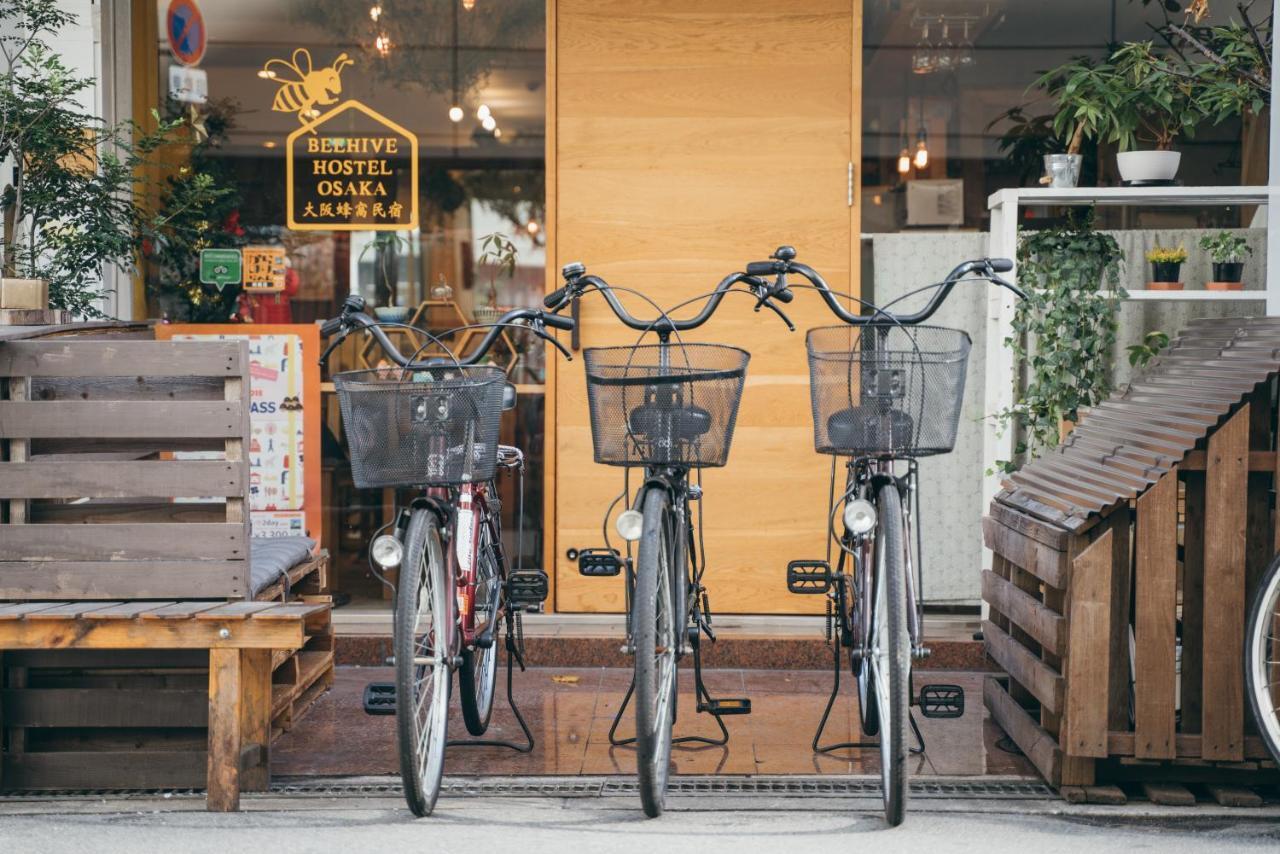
[(686, 139)]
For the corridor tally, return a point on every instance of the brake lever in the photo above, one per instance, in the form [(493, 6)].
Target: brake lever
[(540, 330), (333, 345), (765, 301)]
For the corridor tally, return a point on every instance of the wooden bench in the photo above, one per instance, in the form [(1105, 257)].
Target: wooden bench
[(100, 505), (239, 637)]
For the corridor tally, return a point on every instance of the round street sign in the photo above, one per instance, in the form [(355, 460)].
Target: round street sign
[(184, 27)]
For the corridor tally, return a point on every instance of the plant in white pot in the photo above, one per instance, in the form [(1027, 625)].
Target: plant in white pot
[(70, 208), (499, 254), (1160, 106), (1227, 253)]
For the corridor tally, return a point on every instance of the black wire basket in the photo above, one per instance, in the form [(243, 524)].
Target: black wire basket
[(886, 390), (664, 404), (412, 428)]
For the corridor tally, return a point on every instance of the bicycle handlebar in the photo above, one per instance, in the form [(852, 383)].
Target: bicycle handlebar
[(353, 318)]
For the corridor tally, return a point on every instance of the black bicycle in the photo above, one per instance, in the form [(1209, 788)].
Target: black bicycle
[(668, 408), (885, 390)]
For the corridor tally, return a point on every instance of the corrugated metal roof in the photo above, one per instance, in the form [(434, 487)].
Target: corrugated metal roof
[(1132, 439)]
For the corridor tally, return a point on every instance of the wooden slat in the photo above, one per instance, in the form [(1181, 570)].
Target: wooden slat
[(1224, 594), (225, 728), (255, 715), (16, 610), (61, 358), (1044, 562), (235, 611), (120, 419), (1030, 672), (127, 388), (1193, 538), (105, 707), (1189, 746), (1048, 628), (125, 611), (1084, 721), (290, 611), (1054, 538), (127, 542), (94, 512), (66, 611), (1036, 744), (90, 769), (154, 579), (179, 610), (19, 448), (1118, 698), (143, 479), (151, 634), (1260, 461), (1155, 620)]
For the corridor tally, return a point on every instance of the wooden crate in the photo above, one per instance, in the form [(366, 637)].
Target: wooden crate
[(1147, 534)]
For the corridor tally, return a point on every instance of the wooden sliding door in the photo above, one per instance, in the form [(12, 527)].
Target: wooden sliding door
[(686, 139)]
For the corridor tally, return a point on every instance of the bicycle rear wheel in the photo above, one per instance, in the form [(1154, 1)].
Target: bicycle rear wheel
[(424, 615), (478, 675), (653, 631), (1262, 658), (891, 651)]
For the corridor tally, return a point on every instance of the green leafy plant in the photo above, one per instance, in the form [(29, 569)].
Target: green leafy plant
[(71, 209), (1152, 343), (1167, 254), (1063, 332), (1225, 247), (386, 247), (200, 205), (500, 254)]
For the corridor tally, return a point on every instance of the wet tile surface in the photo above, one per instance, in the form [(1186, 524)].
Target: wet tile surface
[(570, 711)]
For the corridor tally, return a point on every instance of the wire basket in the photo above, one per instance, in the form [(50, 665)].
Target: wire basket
[(432, 426), (886, 390), (664, 404)]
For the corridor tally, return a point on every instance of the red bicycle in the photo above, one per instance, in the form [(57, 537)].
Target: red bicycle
[(433, 425)]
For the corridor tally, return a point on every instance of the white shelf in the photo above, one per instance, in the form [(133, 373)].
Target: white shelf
[(1149, 196), (1198, 296)]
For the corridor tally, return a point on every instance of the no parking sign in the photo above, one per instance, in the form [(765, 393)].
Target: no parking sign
[(184, 28)]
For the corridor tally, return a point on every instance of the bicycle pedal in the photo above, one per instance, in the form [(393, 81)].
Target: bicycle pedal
[(808, 576), (726, 706), (600, 562), (527, 587), (380, 698), (941, 701)]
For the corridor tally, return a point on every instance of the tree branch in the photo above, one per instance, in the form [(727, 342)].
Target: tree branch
[(1257, 38), (1251, 76)]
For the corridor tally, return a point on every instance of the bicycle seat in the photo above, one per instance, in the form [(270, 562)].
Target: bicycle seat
[(651, 420), (870, 428)]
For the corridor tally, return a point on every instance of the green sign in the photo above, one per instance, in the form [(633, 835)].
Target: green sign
[(220, 267)]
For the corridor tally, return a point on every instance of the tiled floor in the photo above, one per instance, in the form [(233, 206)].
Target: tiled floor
[(570, 710)]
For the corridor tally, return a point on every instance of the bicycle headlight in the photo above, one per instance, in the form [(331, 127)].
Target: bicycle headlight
[(859, 516), (387, 551), (629, 524)]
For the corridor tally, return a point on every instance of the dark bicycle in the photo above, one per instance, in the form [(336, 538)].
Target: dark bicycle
[(670, 409), (885, 391), (432, 425)]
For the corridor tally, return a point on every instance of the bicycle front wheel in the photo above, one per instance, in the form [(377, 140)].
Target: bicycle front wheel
[(478, 675), (1262, 658), (891, 651), (423, 619), (653, 632)]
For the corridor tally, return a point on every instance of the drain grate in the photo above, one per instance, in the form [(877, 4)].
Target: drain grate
[(597, 787)]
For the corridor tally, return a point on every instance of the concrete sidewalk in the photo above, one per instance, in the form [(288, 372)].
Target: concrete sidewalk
[(368, 815)]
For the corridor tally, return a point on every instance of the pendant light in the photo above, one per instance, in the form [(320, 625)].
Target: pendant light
[(922, 142)]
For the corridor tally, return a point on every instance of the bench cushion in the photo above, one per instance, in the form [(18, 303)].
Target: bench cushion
[(272, 557)]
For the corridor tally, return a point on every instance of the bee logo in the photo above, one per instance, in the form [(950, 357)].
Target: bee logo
[(301, 87)]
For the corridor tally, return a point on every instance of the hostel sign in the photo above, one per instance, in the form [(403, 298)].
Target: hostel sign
[(346, 180)]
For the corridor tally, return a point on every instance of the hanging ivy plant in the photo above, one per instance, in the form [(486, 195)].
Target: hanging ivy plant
[(1063, 332)]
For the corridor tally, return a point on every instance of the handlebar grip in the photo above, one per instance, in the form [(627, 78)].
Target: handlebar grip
[(331, 327), (553, 299), (1000, 265), (762, 268), (557, 322)]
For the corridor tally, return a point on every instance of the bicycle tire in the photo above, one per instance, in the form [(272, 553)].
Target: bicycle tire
[(478, 674), (891, 657), (653, 635), (422, 593), (1262, 658)]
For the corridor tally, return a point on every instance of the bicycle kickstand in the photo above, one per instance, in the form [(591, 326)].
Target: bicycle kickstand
[(514, 656)]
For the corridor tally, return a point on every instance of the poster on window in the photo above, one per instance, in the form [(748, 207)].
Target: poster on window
[(284, 422)]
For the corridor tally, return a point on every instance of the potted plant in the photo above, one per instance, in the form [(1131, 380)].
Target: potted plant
[(69, 209), (1227, 252), (1166, 264), (499, 253)]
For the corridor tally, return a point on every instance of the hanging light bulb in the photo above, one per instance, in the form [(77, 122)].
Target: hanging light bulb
[(488, 123), (468, 4), (497, 133), (922, 152), (382, 44), (455, 114), (904, 161), (375, 12), (483, 112)]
